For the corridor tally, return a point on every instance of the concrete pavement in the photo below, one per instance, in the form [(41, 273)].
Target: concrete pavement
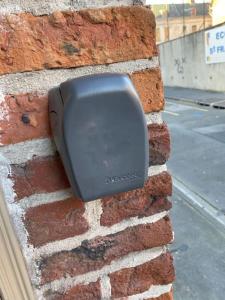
[(199, 254), (200, 97)]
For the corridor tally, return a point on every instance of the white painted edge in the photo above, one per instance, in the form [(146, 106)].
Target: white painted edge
[(42, 81), (14, 279), (131, 260), (154, 292), (74, 242), (43, 7)]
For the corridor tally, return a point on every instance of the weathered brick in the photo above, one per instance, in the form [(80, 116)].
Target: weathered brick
[(94, 254), (40, 175), (131, 281), (141, 202), (167, 296), (55, 221), (115, 210), (46, 174), (68, 40), (91, 291), (159, 144), (150, 88), (72, 39), (159, 185), (25, 116)]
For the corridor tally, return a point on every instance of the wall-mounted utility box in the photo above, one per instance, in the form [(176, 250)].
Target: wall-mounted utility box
[(100, 131)]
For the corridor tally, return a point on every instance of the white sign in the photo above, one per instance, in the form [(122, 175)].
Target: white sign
[(215, 45)]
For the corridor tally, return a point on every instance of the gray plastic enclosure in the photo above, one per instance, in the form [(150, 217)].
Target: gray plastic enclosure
[(101, 134)]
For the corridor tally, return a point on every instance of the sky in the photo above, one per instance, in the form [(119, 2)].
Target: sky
[(174, 1)]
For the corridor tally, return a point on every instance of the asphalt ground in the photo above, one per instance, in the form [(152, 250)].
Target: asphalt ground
[(197, 164), (198, 150)]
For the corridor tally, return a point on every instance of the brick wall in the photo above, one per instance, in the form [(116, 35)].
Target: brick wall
[(112, 248)]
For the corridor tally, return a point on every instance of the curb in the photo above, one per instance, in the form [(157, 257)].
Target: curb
[(185, 100), (196, 201)]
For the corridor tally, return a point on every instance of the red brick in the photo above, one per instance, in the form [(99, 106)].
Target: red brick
[(131, 281), (159, 144), (114, 210), (159, 185), (94, 254), (46, 174), (91, 291), (72, 39), (55, 221), (150, 88), (40, 175), (26, 115), (167, 296), (141, 202)]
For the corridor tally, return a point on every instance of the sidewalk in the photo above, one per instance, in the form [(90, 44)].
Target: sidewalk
[(199, 251), (201, 97)]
